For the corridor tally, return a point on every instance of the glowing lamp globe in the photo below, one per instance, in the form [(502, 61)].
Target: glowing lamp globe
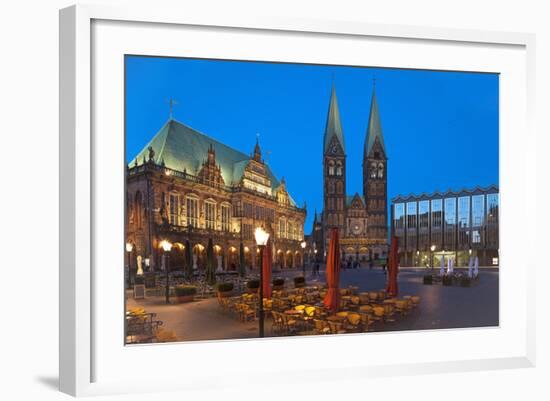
[(261, 236)]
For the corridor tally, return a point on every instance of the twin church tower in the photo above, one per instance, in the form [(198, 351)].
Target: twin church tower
[(362, 220)]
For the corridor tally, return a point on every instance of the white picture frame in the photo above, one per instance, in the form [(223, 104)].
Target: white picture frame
[(85, 355)]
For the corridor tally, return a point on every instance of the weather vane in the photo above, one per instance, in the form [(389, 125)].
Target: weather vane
[(172, 102)]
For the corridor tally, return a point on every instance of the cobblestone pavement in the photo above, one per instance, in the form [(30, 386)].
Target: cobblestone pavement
[(440, 307)]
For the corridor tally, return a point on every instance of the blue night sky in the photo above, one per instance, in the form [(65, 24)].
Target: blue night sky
[(440, 128)]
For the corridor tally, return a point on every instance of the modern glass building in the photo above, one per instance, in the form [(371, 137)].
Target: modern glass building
[(447, 225)]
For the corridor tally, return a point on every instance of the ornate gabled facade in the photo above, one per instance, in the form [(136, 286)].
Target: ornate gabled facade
[(361, 220), (187, 187)]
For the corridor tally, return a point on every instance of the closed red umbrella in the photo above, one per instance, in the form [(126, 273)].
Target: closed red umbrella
[(333, 272), (392, 288), (266, 266)]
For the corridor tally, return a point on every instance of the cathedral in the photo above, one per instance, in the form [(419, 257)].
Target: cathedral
[(362, 219)]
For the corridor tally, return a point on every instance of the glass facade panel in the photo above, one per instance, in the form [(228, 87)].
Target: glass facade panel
[(492, 208), (450, 211), (411, 215), (449, 239), (424, 214), (437, 211), (492, 220), (399, 215), (478, 210), (464, 212), (464, 221)]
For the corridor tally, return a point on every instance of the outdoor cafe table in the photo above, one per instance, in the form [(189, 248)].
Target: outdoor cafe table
[(337, 318)]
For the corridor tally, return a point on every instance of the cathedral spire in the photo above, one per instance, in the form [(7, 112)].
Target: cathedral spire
[(374, 129), (333, 127)]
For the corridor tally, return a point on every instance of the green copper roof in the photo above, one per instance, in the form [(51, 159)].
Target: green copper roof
[(374, 129), (184, 148), (334, 124)]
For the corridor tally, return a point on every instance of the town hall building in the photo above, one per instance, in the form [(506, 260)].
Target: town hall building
[(188, 188)]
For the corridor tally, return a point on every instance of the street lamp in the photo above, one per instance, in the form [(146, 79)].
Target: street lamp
[(303, 245), (261, 237), (432, 249), (166, 247), (129, 249)]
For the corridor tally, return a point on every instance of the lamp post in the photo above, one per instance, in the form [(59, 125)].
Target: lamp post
[(432, 249), (303, 245), (166, 247), (261, 237), (129, 249)]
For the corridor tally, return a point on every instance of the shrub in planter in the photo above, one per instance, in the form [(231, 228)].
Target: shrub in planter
[(428, 279), (225, 289), (185, 293), (299, 282), (447, 280), (278, 283), (253, 285), (465, 281)]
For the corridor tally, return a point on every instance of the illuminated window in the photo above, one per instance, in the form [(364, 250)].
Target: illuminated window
[(192, 211), (282, 228), (226, 218), (174, 216), (210, 215)]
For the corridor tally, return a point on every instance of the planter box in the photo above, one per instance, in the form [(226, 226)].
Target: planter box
[(139, 291), (185, 298), (224, 294)]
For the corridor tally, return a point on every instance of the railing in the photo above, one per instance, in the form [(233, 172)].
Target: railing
[(175, 229)]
